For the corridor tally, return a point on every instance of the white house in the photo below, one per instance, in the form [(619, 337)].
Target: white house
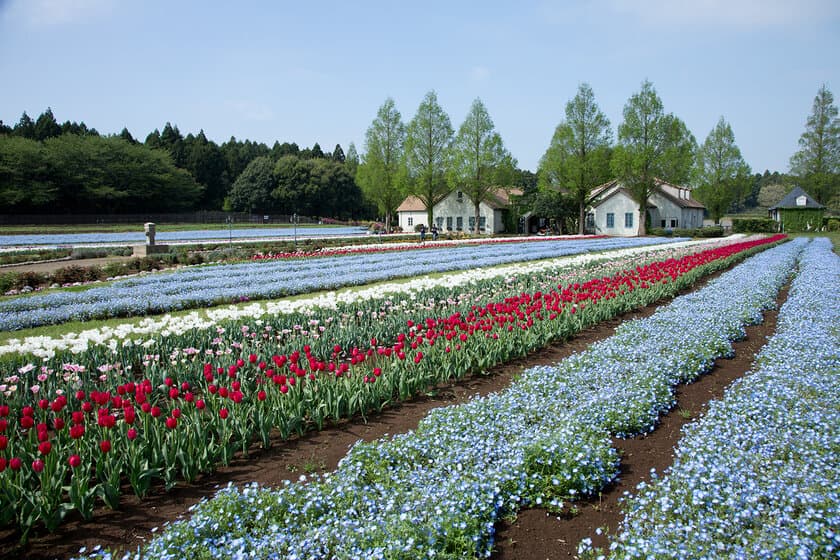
[(456, 212), (612, 210)]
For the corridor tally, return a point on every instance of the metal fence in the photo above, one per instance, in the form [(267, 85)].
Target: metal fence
[(208, 217)]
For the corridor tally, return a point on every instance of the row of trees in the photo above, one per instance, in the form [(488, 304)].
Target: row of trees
[(428, 159), (47, 167), (655, 144)]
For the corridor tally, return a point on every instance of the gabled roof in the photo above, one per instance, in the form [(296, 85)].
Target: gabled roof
[(681, 202), (597, 192), (789, 201), (497, 199), (412, 204)]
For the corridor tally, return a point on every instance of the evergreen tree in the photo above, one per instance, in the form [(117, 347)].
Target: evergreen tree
[(721, 175), (817, 163), (46, 126)]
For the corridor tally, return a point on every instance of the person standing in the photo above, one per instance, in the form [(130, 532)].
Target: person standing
[(422, 233)]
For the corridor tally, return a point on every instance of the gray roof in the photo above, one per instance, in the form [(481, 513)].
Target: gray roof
[(789, 201)]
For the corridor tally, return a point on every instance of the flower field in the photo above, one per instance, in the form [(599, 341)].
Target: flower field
[(75, 427), (168, 236), (439, 491), (211, 285), (758, 476)]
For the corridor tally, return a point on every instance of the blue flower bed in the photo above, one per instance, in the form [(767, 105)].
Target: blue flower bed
[(759, 476), (169, 236), (438, 492), (208, 285)]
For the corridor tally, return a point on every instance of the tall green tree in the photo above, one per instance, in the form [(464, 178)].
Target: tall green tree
[(427, 142), (25, 127), (252, 189), (480, 161), (578, 157), (381, 175), (351, 161), (817, 162), (46, 126), (721, 175), (652, 144)]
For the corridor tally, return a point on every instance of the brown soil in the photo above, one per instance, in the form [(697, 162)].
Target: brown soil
[(534, 535)]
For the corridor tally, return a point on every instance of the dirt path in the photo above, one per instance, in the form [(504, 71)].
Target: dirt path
[(533, 536)]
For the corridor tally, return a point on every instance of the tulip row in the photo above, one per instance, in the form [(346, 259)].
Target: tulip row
[(211, 285), (758, 476), (438, 491), (172, 429), (148, 331)]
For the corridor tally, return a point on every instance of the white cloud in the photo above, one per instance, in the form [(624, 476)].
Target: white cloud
[(733, 13), (61, 12)]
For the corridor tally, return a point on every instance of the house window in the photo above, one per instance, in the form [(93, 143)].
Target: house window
[(663, 223), (610, 220), (482, 223), (673, 222), (472, 223), (628, 219), (801, 201), (449, 223), (439, 221), (459, 196), (410, 221), (460, 223)]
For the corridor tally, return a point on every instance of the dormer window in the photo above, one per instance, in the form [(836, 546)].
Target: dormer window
[(801, 201)]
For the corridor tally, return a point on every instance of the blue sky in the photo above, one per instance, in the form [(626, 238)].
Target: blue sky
[(318, 71)]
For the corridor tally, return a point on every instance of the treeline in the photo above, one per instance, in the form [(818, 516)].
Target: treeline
[(47, 167)]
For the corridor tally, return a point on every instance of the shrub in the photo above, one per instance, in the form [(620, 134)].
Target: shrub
[(832, 225), (753, 225)]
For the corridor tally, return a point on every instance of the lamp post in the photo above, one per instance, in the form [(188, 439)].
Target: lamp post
[(294, 222), (229, 221)]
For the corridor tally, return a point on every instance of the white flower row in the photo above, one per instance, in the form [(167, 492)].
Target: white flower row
[(144, 331), (758, 476)]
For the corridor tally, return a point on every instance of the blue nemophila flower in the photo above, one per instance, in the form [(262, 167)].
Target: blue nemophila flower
[(439, 490), (758, 476)]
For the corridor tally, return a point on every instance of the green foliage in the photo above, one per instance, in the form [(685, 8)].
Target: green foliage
[(381, 174), (832, 225), (555, 205), (800, 219), (720, 174), (480, 163), (753, 225), (315, 187), (90, 174), (251, 192), (817, 162), (652, 144), (578, 157), (428, 139)]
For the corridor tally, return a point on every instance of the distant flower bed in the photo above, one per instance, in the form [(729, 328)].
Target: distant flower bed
[(169, 236), (329, 252), (212, 285)]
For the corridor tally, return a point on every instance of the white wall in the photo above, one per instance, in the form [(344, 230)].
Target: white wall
[(619, 205)]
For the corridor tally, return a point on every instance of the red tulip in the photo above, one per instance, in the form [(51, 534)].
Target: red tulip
[(37, 465), (74, 461), (105, 445)]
